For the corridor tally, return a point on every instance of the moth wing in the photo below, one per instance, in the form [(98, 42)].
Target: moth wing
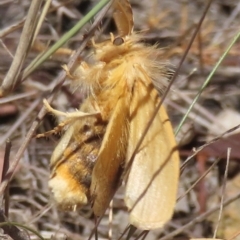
[(110, 162), (151, 186), (61, 146)]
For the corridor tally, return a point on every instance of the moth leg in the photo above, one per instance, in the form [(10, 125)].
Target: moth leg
[(94, 43), (76, 114), (57, 129), (66, 69), (70, 117), (83, 66)]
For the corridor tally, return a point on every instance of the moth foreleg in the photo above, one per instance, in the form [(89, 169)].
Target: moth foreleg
[(76, 114)]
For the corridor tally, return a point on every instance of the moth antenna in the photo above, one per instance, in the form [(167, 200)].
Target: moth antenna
[(123, 17)]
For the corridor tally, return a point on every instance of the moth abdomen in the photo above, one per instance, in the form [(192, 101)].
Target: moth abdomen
[(71, 174)]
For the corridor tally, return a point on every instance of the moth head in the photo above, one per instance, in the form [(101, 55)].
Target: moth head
[(116, 47)]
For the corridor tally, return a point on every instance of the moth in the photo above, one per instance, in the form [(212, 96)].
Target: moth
[(123, 82)]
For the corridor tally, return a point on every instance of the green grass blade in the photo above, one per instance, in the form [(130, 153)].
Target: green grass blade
[(207, 81)]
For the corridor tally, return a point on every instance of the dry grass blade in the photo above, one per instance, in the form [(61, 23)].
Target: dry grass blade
[(223, 193), (234, 236), (196, 151), (14, 164), (24, 44), (12, 28), (4, 138), (199, 218), (198, 180), (41, 19), (4, 176)]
